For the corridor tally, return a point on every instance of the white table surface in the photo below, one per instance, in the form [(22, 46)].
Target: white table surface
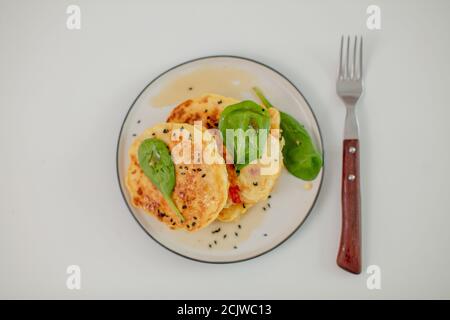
[(64, 94)]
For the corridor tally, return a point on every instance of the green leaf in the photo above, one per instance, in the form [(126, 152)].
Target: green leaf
[(244, 120), (299, 153), (156, 162)]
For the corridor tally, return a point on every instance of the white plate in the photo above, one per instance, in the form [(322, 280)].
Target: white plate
[(259, 230)]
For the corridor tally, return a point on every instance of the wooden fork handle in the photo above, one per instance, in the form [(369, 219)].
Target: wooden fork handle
[(349, 255)]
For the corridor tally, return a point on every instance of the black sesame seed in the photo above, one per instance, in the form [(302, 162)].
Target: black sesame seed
[(235, 247), (139, 121), (203, 175), (153, 134), (239, 226), (195, 218), (270, 196), (265, 234), (243, 205), (219, 102), (216, 231), (268, 205), (134, 134), (206, 110), (264, 208), (184, 206), (215, 242), (190, 88), (225, 235), (194, 223), (255, 183), (165, 131), (236, 234), (210, 245)]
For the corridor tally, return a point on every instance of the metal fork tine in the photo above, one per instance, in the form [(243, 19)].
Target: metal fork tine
[(347, 69), (349, 84), (360, 58), (341, 74), (354, 75)]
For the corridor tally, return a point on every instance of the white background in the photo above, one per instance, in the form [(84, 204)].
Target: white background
[(64, 94)]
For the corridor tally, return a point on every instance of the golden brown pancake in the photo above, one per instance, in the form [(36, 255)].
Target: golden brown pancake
[(206, 108), (201, 190), (251, 185)]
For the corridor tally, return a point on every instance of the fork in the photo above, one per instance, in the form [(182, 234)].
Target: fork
[(349, 87)]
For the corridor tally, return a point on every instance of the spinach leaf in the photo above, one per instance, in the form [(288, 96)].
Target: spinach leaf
[(245, 118), (299, 153), (300, 156), (156, 162)]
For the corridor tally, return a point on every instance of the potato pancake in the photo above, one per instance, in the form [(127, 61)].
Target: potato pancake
[(201, 189)]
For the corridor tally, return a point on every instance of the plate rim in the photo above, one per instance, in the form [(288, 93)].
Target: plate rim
[(320, 138)]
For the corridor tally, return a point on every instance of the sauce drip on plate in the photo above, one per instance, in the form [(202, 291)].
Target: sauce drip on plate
[(226, 81)]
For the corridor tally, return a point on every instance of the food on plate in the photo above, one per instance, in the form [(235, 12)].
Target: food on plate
[(257, 179), (238, 118), (200, 190), (171, 179), (156, 162), (300, 156), (206, 108), (247, 184), (299, 153)]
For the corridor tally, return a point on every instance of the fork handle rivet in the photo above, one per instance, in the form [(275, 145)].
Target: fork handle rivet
[(352, 149), (351, 177)]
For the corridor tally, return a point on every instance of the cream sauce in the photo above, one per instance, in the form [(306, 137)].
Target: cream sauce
[(226, 81)]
